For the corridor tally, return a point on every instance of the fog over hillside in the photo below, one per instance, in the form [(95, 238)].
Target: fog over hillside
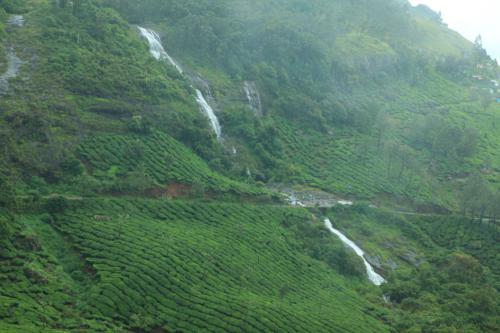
[(471, 18)]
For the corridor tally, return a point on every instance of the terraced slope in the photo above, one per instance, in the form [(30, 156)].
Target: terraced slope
[(40, 278), (349, 164), (161, 158), (481, 240), (410, 239), (196, 267), (388, 158)]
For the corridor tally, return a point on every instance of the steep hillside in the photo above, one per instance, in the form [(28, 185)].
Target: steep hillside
[(438, 267), (373, 82), (77, 82), (175, 266), (125, 207)]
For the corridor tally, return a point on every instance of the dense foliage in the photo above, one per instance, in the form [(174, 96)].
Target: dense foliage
[(374, 75), (176, 266), (445, 295), (121, 212), (443, 271)]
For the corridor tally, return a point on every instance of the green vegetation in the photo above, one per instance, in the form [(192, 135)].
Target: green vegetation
[(93, 81), (179, 265), (121, 212), (318, 73), (143, 162), (443, 270), (447, 294)]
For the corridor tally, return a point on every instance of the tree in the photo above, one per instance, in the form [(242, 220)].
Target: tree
[(494, 206), (7, 193), (140, 125), (72, 167), (476, 197), (57, 204), (478, 42), (400, 159), (381, 127)]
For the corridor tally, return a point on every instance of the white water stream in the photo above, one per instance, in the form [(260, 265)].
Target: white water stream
[(13, 67), (207, 109), (158, 52), (253, 97), (16, 20), (156, 48), (373, 276), (13, 62)]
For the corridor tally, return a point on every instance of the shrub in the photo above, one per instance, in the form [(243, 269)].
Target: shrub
[(57, 204), (139, 125), (72, 167)]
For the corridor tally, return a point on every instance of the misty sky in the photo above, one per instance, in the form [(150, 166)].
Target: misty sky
[(471, 18)]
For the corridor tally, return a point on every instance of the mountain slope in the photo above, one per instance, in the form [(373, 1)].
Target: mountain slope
[(122, 211), (175, 266), (388, 67)]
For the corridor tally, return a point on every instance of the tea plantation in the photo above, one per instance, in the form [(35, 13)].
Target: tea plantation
[(121, 211), (181, 266), (160, 158)]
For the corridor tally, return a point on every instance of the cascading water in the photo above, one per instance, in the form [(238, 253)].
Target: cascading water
[(253, 97), (209, 112), (375, 278), (16, 20), (158, 52), (13, 62), (156, 47), (13, 67)]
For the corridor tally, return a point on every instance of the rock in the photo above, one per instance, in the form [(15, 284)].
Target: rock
[(392, 264), (16, 20), (13, 67), (375, 261), (411, 258)]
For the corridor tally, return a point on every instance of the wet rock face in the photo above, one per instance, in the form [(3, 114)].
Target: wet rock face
[(392, 264), (203, 97), (253, 97), (411, 258), (16, 20), (13, 62), (375, 261), (13, 67)]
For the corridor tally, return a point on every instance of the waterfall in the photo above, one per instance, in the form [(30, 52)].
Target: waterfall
[(375, 278), (16, 20), (253, 97), (158, 52), (156, 48), (13, 67), (13, 62), (207, 109), (292, 199)]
